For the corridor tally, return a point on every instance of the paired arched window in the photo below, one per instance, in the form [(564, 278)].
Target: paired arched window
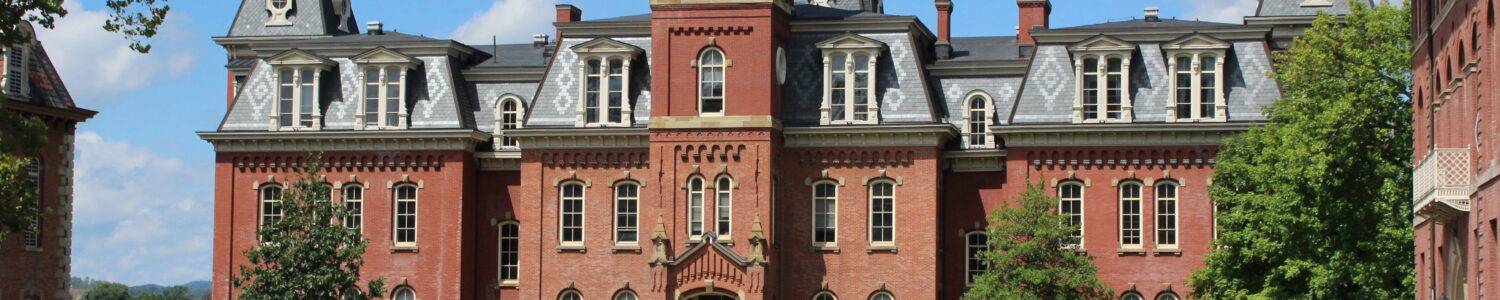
[(711, 65), (508, 117), (604, 91), (851, 86), (1070, 195), (1197, 80), (296, 97), (406, 215), (1103, 88), (627, 210), (825, 296), (1166, 215), (1130, 215), (404, 293), (570, 295), (695, 207), (626, 295), (384, 97), (510, 252), (825, 214), (354, 204), (883, 213), (882, 296), (571, 218), (270, 204), (977, 122), (724, 200), (976, 244)]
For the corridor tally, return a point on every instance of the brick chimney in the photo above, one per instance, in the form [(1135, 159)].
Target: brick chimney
[(567, 13), (944, 48), (1034, 14)]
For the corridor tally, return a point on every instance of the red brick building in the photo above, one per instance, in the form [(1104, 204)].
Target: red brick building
[(35, 262), (737, 149), (1453, 62)]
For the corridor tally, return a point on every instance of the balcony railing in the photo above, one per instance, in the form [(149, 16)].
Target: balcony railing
[(1441, 184)]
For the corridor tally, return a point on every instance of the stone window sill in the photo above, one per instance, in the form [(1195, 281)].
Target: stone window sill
[(824, 248), (1131, 251), (512, 284), (33, 249), (572, 248), (625, 248), (404, 248), (881, 248), (1167, 252)]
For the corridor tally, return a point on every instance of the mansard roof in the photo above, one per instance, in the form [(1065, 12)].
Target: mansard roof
[(986, 48), (1144, 24), (308, 17), (513, 55), (872, 6), (1287, 8), (383, 38), (47, 88)]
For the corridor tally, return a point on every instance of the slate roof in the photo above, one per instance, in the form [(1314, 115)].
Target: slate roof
[(556, 101), (1143, 24), (47, 88), (514, 55), (854, 5), (807, 11), (899, 84), (309, 17), (989, 48), (1279, 8), (387, 37), (624, 19)]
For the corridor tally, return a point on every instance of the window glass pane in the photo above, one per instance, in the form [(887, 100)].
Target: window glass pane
[(510, 252), (825, 213), (406, 294), (977, 244), (1209, 63), (695, 207), (1130, 214), (837, 62), (1184, 63), (861, 63), (882, 212), (626, 205)]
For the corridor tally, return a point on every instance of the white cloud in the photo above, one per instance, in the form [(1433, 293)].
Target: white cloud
[(512, 21), (1226, 11), (139, 217), (96, 64)]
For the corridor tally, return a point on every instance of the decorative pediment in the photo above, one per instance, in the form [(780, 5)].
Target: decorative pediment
[(1196, 41), (850, 41), (606, 46), (1102, 43), (385, 56), (710, 240), (298, 57)]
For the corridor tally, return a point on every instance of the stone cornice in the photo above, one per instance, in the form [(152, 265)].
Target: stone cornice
[(592, 29), (499, 161), (924, 135), (1077, 135), (392, 140), (871, 24), (981, 68), (514, 74), (975, 160), (1228, 33), (581, 138)]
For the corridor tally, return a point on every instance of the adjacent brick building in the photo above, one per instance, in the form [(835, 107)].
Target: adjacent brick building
[(738, 149), (35, 262)]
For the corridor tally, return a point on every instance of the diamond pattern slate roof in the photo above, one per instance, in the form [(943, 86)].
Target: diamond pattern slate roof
[(556, 101), (1278, 8), (899, 86), (309, 17), (954, 92)]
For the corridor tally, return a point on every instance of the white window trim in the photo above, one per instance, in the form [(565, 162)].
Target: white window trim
[(989, 113), (1196, 46), (850, 45), (1081, 203), (968, 279), (870, 223), (724, 81), (702, 194), (344, 199), (261, 202), (626, 114), (835, 214), (380, 111), (396, 214), (637, 213), (1103, 48), (1176, 211), (1140, 214), (582, 209), (719, 202), (298, 61), (500, 253), (500, 112)]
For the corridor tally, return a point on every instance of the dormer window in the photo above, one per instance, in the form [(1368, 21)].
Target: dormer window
[(849, 70), (605, 70), (1102, 65), (384, 74), (977, 121), (297, 75), (1197, 66), (711, 82), (508, 113)]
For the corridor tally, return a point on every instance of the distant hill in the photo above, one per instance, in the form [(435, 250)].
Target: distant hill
[(81, 286)]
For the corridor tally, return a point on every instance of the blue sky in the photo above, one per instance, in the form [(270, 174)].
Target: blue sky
[(144, 180)]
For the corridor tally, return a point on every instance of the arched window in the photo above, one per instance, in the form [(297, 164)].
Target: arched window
[(1166, 296), (882, 296), (824, 296), (354, 202), (825, 214), (571, 220), (404, 293), (724, 200), (1208, 78), (510, 252), (1184, 79), (1071, 205), (627, 209), (384, 97), (604, 91), (270, 204), (406, 215), (695, 208), (296, 98), (976, 243), (508, 117), (625, 295), (570, 295), (1166, 215), (1103, 88), (1131, 296), (883, 213), (1130, 215), (711, 82), (977, 122)]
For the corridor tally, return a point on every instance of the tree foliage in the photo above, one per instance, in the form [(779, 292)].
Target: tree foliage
[(1315, 204), (108, 291), (136, 20), (1032, 258), (307, 253), (21, 142)]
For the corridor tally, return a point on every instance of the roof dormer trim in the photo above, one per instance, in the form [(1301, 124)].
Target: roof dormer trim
[(299, 57), (1101, 43), (1196, 41), (850, 41), (385, 56), (604, 45)]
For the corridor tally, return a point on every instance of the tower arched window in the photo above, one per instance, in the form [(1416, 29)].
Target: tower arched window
[(977, 121), (570, 295), (570, 222), (1130, 215), (508, 114), (1070, 195), (404, 293), (695, 189), (354, 203), (627, 210), (825, 214), (1131, 296), (270, 205), (883, 213), (724, 201), (510, 253), (882, 296), (626, 295), (976, 244), (1167, 296), (406, 216), (1166, 215), (824, 296), (711, 64)]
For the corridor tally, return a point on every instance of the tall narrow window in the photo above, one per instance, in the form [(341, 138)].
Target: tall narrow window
[(1114, 85), (33, 232), (1184, 79), (978, 122), (354, 202), (1208, 79), (1130, 215), (616, 106), (404, 293), (592, 88), (270, 205), (571, 232), (883, 213), (604, 91), (1091, 88), (627, 199), (839, 83), (1071, 205), (695, 208), (711, 82), (406, 215), (725, 202), (510, 118), (977, 243), (510, 253), (296, 100), (384, 97), (1166, 215), (1104, 88), (825, 214)]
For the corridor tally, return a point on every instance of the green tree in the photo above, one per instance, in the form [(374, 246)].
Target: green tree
[(1032, 259), (1315, 204), (108, 291), (148, 296), (178, 293), (307, 253), (24, 134)]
